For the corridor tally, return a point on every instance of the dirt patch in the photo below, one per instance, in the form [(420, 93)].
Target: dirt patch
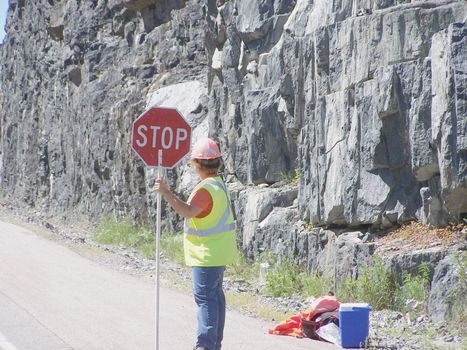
[(416, 236)]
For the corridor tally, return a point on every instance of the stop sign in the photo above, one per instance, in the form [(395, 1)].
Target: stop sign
[(162, 129)]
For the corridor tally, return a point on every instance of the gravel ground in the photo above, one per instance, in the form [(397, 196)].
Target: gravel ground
[(388, 329)]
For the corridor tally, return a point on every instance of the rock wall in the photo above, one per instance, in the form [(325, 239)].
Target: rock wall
[(365, 98), (362, 101), (74, 76)]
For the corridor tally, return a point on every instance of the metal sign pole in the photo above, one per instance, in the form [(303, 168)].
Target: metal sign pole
[(158, 240), (174, 134)]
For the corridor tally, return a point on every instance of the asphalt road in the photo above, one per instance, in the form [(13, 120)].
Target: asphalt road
[(52, 298)]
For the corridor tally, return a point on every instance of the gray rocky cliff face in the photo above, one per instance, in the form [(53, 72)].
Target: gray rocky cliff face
[(74, 76), (364, 99)]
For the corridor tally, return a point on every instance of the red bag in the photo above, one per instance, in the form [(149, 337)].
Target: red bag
[(306, 323), (309, 327)]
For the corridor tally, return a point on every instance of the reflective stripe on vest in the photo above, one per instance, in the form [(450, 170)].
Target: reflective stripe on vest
[(222, 225)]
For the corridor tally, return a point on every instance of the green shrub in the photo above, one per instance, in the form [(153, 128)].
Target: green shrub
[(286, 278), (458, 295), (283, 280), (375, 285), (172, 247), (414, 288), (244, 269), (124, 233), (316, 285)]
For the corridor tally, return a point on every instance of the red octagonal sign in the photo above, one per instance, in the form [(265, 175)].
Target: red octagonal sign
[(162, 129)]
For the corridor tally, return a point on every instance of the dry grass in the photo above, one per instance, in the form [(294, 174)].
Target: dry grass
[(415, 236)]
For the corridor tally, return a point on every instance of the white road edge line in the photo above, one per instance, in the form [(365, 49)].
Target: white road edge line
[(5, 344)]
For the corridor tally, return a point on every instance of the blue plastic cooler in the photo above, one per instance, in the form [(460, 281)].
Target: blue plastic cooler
[(354, 324)]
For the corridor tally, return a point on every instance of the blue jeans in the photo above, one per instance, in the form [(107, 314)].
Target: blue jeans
[(209, 296)]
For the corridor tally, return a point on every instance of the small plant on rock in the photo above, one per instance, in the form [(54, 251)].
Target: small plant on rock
[(292, 179), (414, 292), (458, 295)]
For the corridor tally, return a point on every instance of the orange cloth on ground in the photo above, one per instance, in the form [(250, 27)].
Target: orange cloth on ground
[(293, 325), (202, 200)]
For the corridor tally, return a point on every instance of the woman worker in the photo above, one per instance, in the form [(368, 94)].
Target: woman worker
[(209, 240)]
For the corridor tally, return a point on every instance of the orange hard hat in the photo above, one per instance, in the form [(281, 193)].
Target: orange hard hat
[(205, 148)]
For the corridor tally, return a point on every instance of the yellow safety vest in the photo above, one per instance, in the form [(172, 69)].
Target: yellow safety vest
[(211, 240)]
